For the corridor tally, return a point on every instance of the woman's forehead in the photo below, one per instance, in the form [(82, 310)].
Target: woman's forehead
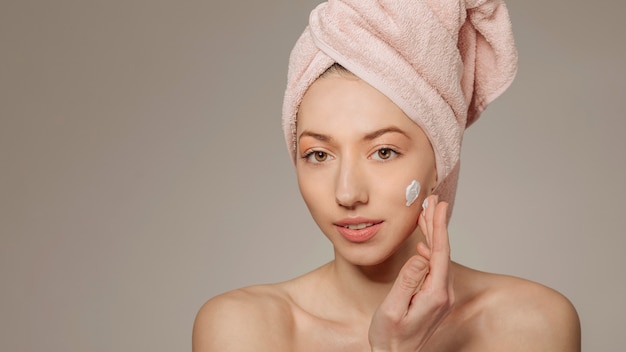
[(340, 104)]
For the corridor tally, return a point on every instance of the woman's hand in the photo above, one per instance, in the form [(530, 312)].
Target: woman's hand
[(422, 295)]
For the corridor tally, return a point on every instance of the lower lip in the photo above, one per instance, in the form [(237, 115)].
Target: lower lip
[(361, 235)]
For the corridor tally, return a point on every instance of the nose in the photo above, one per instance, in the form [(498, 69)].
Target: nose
[(351, 185)]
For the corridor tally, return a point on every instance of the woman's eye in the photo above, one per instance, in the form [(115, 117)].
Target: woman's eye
[(320, 156), (317, 156), (384, 154)]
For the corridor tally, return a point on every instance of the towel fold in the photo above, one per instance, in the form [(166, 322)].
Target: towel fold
[(441, 61)]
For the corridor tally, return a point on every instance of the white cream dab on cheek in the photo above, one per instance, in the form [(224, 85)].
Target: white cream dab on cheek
[(412, 192)]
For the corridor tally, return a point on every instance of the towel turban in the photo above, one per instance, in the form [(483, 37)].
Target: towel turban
[(441, 61)]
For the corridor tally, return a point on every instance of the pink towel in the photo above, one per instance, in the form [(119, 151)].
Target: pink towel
[(440, 61)]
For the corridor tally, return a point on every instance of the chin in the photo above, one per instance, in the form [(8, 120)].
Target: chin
[(372, 253)]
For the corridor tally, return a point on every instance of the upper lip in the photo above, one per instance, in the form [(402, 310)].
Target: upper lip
[(356, 221)]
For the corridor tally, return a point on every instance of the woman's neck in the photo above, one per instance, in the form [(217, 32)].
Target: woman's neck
[(365, 287)]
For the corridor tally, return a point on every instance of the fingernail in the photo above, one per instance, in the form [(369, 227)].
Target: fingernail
[(425, 204)]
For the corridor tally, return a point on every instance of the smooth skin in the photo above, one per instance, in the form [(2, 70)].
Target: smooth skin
[(399, 290)]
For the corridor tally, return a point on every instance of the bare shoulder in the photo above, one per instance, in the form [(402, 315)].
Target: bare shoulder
[(256, 318), (520, 315), (533, 317)]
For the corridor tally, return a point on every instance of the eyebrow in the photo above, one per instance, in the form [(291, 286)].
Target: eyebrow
[(368, 137), (318, 136), (382, 131)]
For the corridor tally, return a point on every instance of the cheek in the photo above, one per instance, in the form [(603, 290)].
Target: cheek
[(395, 183), (388, 193), (412, 192), (391, 205), (314, 190), (391, 192)]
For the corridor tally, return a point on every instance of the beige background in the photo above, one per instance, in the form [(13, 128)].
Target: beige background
[(142, 166)]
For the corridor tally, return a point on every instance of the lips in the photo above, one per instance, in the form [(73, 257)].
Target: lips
[(358, 226), (358, 229)]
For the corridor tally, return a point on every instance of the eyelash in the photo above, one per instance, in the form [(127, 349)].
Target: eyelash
[(307, 156), (394, 152)]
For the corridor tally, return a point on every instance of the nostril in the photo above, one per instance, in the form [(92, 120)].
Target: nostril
[(349, 198), (351, 188)]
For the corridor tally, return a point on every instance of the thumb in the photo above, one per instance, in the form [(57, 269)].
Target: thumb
[(407, 283)]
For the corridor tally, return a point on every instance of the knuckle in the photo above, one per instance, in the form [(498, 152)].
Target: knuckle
[(390, 316), (408, 282), (417, 265), (412, 273), (440, 299)]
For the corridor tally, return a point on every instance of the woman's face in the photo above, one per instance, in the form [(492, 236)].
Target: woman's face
[(356, 153)]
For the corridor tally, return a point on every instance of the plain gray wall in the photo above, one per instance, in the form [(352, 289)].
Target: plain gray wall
[(143, 170)]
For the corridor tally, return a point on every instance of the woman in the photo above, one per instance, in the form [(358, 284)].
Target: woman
[(378, 96)]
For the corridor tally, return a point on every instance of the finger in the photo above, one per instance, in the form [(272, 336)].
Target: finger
[(440, 228), (431, 216), (424, 228), (451, 296), (440, 250), (422, 223), (423, 250), (427, 229), (406, 285), (420, 217)]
